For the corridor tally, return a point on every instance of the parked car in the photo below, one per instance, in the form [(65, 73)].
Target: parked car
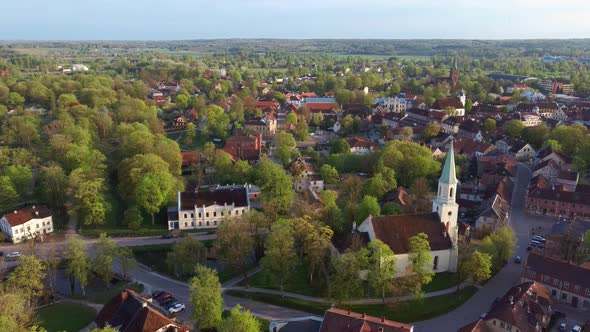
[(157, 293), (176, 308), (563, 326), (1, 253), (163, 297), (168, 302), (483, 316), (13, 255), (576, 328), (539, 238), (529, 248), (517, 259), (171, 304), (535, 243)]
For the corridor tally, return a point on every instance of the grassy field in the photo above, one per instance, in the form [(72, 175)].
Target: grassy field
[(68, 317), (405, 312), (299, 283), (104, 295)]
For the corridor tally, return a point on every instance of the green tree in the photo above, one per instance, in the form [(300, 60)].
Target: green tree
[(8, 195), (382, 267), (420, 259), (410, 161), (280, 258), (16, 312), (132, 218), (276, 186), (77, 263), (569, 137), (478, 267), (217, 121), (126, 260), (391, 208), (91, 205), (205, 296), (21, 177), (583, 254), (105, 251), (406, 134), (53, 185), (430, 130), (301, 131), (28, 277), (500, 245), (513, 128), (329, 174), (239, 320), (153, 192), (190, 132), (186, 254), (345, 278), (339, 145), (368, 206), (284, 143), (535, 135), (489, 126), (235, 244), (380, 183), (291, 118), (181, 101)]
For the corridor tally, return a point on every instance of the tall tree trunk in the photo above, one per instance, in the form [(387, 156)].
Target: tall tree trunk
[(153, 219), (72, 285)]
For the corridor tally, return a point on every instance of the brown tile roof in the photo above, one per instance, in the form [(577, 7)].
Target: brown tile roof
[(560, 196), (19, 217), (477, 326), (338, 320), (574, 274), (395, 231), (521, 305), (129, 312), (442, 103)]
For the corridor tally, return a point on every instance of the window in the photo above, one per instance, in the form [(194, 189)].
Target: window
[(451, 195), (192, 223), (588, 292), (546, 279), (435, 265), (215, 214), (184, 216), (566, 285), (222, 213), (214, 222), (207, 223), (532, 274), (207, 214), (185, 224), (200, 223), (556, 282), (192, 215), (564, 296), (577, 288), (199, 214), (508, 327)]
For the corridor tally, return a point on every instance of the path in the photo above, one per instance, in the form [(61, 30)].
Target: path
[(503, 280)]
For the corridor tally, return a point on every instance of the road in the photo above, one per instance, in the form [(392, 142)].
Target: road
[(507, 277)]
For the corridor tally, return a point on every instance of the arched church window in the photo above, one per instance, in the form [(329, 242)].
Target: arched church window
[(435, 265)]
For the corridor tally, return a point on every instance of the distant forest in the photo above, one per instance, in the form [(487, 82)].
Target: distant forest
[(375, 47)]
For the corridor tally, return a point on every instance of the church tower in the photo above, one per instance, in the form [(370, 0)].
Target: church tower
[(446, 206), (454, 77)]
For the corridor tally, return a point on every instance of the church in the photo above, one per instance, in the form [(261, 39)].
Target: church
[(441, 226)]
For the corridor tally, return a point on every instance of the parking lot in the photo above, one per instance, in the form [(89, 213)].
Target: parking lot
[(168, 303)]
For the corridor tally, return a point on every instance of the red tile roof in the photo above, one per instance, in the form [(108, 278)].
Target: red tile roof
[(338, 320), (320, 106), (19, 217)]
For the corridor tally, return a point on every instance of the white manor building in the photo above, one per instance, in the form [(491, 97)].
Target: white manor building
[(441, 226), (207, 208), (27, 223)]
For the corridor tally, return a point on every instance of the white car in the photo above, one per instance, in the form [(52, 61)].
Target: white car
[(538, 238), (14, 254), (176, 308), (576, 328)]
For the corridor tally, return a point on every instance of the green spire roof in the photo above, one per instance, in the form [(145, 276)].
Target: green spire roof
[(448, 173)]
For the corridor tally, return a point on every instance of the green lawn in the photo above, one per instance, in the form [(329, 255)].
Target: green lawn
[(68, 317), (154, 256), (297, 284), (405, 312), (441, 281)]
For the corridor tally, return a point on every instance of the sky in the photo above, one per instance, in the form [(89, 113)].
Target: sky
[(301, 19)]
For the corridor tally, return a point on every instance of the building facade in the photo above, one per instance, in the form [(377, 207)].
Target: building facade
[(27, 223)]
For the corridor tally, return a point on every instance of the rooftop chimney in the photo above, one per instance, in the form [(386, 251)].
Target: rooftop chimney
[(364, 316), (349, 311), (382, 319), (511, 299)]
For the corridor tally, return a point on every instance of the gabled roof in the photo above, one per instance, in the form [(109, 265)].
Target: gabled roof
[(214, 196), (574, 274), (338, 320), (129, 312), (442, 103), (395, 231), (19, 217)]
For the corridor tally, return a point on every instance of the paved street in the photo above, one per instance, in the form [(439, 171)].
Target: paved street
[(507, 277)]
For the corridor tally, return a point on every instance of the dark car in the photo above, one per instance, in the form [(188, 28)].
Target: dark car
[(167, 236), (157, 293), (163, 297), (517, 259), (1, 253), (168, 302), (171, 304), (529, 248)]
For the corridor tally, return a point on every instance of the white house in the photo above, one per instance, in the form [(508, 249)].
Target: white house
[(441, 226), (208, 207), (456, 103), (27, 223), (394, 104)]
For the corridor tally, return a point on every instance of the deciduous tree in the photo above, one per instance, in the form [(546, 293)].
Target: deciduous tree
[(280, 258), (382, 267), (105, 251), (239, 320), (186, 254), (235, 244), (205, 296), (77, 263)]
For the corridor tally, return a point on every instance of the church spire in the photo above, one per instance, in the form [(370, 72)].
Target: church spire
[(455, 64), (448, 175)]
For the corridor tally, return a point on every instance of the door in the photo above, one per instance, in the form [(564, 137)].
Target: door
[(574, 301)]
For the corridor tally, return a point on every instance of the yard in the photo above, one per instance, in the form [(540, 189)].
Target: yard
[(299, 283), (65, 316), (154, 256), (405, 312), (103, 295)]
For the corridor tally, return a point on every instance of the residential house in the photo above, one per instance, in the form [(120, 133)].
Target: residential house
[(552, 201), (472, 148), (471, 129), (441, 226), (338, 320), (207, 207), (392, 104), (530, 119), (305, 178), (548, 168), (267, 125), (516, 149), (497, 212), (27, 223), (546, 153), (564, 239), (360, 145), (566, 282), (243, 145), (451, 125), (128, 311), (391, 120), (297, 324), (524, 308)]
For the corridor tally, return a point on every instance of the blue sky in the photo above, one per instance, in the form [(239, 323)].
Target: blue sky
[(204, 19)]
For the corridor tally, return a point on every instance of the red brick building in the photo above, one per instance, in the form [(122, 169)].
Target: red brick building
[(244, 146)]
